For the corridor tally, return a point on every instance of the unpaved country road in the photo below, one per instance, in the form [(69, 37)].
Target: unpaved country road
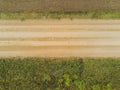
[(60, 38)]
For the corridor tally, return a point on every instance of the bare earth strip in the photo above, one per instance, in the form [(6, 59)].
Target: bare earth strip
[(60, 38)]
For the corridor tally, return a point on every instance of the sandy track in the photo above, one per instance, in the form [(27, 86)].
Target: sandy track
[(60, 38)]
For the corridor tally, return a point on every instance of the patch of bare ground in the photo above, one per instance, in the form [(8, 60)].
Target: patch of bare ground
[(60, 38)]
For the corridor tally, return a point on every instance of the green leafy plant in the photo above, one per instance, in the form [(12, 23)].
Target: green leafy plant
[(96, 87), (67, 80), (109, 86), (79, 84)]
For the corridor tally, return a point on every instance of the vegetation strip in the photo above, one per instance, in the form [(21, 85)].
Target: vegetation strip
[(99, 14), (59, 73)]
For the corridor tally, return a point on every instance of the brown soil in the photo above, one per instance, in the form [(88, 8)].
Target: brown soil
[(58, 5)]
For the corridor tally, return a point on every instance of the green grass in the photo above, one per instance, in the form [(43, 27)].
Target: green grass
[(59, 74), (109, 14)]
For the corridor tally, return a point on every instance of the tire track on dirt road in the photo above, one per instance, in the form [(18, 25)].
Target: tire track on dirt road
[(60, 38)]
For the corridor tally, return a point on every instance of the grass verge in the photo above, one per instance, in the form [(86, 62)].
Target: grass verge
[(59, 74), (109, 14)]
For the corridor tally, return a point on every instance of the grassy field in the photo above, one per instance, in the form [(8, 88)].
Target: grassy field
[(59, 74), (109, 14)]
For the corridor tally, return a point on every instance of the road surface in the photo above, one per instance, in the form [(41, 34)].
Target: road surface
[(60, 38)]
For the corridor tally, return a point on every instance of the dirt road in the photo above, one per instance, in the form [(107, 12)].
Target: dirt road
[(60, 38)]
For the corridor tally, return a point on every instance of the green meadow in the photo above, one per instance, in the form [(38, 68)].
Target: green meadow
[(59, 73)]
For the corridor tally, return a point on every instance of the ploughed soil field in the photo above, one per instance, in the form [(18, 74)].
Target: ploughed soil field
[(57, 5), (60, 38)]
